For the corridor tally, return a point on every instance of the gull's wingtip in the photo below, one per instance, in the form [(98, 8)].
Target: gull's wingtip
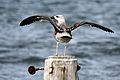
[(111, 31), (21, 24), (26, 22)]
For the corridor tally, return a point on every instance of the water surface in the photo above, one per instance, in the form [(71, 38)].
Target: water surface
[(97, 51)]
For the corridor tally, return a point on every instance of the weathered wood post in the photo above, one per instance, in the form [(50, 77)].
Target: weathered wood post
[(60, 68)]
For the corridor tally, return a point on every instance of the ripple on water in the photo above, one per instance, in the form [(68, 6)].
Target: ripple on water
[(96, 51)]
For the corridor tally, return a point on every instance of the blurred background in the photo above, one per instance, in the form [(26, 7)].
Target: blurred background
[(97, 51)]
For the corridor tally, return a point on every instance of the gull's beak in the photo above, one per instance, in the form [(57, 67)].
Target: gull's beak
[(52, 17)]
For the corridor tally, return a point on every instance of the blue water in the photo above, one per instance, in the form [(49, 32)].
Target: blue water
[(97, 51)]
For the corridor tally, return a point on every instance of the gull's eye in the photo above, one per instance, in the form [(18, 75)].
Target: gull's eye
[(57, 16)]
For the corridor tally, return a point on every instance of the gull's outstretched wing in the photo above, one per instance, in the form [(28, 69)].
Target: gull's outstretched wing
[(35, 18), (76, 25)]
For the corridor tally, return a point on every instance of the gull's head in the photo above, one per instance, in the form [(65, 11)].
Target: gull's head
[(59, 19)]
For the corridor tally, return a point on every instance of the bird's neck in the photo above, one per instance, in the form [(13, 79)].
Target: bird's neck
[(61, 23)]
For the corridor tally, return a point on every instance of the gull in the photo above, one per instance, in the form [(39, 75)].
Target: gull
[(62, 32)]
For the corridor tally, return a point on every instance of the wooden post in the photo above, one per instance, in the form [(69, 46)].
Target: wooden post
[(60, 68)]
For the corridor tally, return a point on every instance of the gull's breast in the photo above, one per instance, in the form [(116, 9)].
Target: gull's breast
[(63, 37)]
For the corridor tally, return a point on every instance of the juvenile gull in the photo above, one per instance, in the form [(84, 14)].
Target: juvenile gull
[(62, 31)]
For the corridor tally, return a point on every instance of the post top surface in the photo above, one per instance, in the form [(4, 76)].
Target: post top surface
[(61, 57)]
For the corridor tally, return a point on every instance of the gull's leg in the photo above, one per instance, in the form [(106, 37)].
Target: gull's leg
[(57, 48), (65, 49)]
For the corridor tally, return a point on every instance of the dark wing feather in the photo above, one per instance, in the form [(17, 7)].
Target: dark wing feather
[(32, 19), (35, 18), (76, 25)]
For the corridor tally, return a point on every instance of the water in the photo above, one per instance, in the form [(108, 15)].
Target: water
[(97, 51)]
